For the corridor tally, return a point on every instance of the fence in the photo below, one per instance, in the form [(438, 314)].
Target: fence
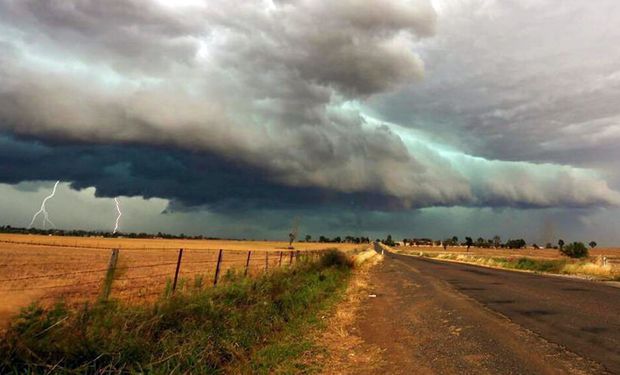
[(132, 274)]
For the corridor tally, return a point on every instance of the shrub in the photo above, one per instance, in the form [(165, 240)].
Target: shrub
[(516, 244), (336, 258), (575, 250)]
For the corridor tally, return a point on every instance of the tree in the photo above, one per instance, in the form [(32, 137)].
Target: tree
[(575, 250), (388, 241), (308, 238), (468, 242), (404, 241), (516, 244), (496, 241), (455, 240), (561, 243), (592, 244)]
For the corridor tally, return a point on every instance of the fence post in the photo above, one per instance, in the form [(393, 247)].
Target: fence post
[(280, 261), (109, 276), (291, 260), (217, 267), (247, 263), (176, 272), (266, 261)]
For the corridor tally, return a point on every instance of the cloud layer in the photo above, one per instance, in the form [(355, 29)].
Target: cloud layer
[(258, 101)]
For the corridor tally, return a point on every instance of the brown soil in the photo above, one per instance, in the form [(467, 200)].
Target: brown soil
[(419, 324)]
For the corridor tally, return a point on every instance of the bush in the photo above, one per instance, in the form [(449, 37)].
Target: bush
[(336, 258), (575, 250), (516, 244)]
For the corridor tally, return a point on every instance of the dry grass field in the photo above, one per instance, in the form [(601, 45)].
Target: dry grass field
[(529, 252), (46, 268), (602, 263)]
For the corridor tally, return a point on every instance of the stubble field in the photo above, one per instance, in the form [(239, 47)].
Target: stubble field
[(49, 268)]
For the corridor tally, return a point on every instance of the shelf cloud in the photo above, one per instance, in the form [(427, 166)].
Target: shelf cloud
[(292, 104)]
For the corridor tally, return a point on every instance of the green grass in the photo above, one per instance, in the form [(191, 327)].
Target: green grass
[(243, 326), (537, 265)]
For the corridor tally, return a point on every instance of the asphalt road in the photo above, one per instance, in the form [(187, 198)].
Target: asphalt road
[(437, 317)]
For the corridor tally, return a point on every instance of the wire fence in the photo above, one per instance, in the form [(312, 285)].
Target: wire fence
[(133, 275)]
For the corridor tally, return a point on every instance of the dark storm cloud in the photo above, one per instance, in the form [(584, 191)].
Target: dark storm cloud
[(269, 90), (197, 179), (186, 178)]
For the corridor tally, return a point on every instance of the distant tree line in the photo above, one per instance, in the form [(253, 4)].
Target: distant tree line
[(338, 239), (96, 233), (574, 250)]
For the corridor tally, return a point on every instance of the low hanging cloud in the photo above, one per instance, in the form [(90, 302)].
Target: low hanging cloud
[(272, 87)]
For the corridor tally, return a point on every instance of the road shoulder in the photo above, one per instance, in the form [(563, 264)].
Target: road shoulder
[(421, 325), (344, 350)]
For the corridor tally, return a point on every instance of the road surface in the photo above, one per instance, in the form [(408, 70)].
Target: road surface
[(440, 318)]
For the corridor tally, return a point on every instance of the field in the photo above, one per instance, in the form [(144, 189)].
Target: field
[(46, 268), (602, 263), (490, 252)]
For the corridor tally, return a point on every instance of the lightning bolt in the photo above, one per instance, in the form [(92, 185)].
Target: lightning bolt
[(118, 209), (42, 210)]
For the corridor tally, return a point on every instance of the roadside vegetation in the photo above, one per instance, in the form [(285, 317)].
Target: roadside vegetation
[(575, 250), (567, 266), (243, 325)]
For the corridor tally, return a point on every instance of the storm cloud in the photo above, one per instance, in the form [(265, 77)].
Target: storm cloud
[(268, 103)]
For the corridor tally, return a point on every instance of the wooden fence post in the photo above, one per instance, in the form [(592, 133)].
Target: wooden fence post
[(109, 276), (247, 263), (291, 260), (217, 267), (280, 261), (266, 261), (176, 272)]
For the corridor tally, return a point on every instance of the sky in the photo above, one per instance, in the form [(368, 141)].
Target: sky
[(362, 117)]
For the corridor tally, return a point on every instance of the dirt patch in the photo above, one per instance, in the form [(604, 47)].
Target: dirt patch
[(421, 325), (344, 352)]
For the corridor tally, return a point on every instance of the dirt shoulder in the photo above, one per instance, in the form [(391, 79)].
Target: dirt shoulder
[(345, 352), (418, 324)]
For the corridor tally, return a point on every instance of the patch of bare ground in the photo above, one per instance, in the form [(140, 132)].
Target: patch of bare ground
[(420, 325), (343, 351)]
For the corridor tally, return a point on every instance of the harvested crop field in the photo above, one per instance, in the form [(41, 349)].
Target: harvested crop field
[(48, 268)]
